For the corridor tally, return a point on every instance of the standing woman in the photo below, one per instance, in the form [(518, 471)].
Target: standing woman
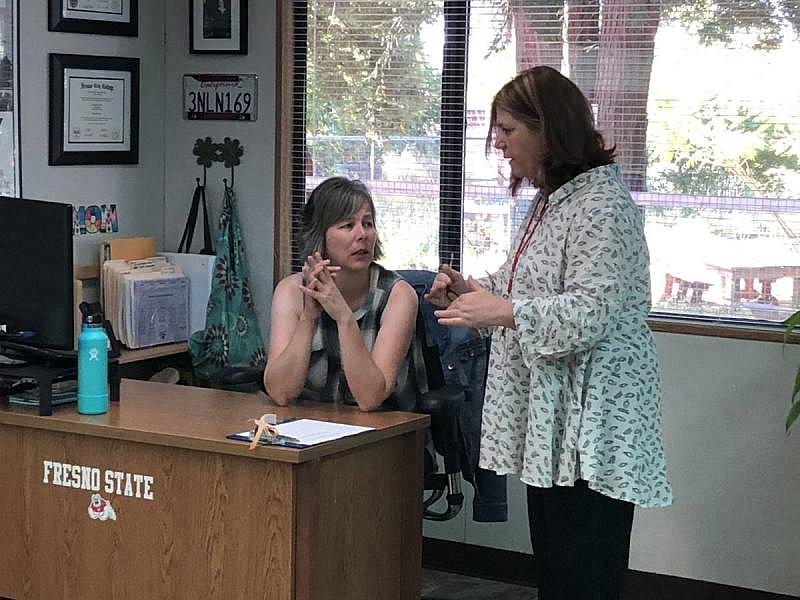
[(340, 330), (573, 397)]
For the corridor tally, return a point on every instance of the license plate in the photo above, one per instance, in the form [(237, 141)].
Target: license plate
[(220, 97)]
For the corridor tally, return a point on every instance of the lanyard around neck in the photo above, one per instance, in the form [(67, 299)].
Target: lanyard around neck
[(537, 215)]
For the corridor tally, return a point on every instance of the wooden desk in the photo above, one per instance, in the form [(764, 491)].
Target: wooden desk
[(339, 520)]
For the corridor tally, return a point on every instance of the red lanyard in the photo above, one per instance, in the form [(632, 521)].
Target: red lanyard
[(530, 228)]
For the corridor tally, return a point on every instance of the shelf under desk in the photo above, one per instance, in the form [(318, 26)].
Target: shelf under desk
[(131, 356)]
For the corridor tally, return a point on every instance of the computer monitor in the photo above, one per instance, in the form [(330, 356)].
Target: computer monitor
[(36, 274)]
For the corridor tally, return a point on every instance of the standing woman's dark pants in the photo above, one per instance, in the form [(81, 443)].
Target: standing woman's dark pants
[(581, 542)]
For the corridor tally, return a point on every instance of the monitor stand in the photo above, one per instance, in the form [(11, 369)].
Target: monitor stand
[(46, 374)]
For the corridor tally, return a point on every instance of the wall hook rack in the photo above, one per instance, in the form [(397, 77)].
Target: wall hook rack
[(229, 152)]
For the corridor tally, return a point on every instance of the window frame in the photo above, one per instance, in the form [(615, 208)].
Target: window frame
[(288, 133), (284, 78)]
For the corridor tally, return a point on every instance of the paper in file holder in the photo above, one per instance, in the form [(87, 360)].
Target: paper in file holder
[(147, 301), (199, 268)]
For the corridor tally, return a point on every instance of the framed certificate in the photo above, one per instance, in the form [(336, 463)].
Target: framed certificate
[(94, 110), (218, 26), (110, 17)]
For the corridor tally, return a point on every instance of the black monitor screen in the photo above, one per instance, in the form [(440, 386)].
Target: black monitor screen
[(36, 301)]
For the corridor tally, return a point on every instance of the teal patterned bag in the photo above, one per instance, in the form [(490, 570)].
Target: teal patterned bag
[(232, 337)]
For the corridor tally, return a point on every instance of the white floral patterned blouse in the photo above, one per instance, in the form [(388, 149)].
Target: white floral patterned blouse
[(574, 392)]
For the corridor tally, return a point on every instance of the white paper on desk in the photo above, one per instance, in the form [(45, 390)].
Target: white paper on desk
[(310, 431)]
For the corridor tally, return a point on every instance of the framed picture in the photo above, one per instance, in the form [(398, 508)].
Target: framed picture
[(218, 26), (94, 110), (10, 183), (109, 17)]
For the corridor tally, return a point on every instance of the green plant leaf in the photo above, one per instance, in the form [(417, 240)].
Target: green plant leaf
[(794, 412), (790, 323), (796, 387)]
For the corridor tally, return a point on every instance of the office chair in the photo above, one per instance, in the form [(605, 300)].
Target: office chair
[(451, 385)]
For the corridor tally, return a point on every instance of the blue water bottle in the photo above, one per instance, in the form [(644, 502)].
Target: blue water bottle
[(93, 367)]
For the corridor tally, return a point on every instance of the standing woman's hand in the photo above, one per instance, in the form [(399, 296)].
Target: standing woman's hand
[(448, 285), (477, 307), (320, 288)]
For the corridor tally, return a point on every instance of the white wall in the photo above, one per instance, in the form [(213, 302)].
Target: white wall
[(137, 190), (153, 197), (735, 474), (255, 176)]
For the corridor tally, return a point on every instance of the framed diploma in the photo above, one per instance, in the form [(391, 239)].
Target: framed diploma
[(94, 110), (110, 17), (218, 26)]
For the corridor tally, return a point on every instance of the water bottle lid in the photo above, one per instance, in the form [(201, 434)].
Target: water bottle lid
[(94, 319)]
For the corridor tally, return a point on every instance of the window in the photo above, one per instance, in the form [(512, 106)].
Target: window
[(698, 96)]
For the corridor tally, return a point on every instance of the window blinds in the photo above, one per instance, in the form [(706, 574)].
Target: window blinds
[(698, 97), (384, 103)]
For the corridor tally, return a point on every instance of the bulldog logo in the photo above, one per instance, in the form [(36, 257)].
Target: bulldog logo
[(100, 508)]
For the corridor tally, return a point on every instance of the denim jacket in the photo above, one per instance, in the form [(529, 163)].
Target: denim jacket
[(463, 354)]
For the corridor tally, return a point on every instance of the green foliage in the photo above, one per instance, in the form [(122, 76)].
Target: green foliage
[(794, 409), (367, 69), (368, 76), (745, 155), (718, 21)]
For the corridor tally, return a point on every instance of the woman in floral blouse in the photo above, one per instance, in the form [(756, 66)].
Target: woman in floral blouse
[(573, 398)]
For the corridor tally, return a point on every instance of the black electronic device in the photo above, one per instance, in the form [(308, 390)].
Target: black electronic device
[(36, 277)]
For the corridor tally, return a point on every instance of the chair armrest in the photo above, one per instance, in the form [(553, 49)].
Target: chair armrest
[(440, 401), (443, 405), (236, 376)]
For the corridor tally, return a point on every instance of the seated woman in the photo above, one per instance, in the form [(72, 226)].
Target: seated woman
[(340, 331)]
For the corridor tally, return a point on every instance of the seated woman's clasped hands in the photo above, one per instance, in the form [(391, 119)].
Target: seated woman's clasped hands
[(318, 282)]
